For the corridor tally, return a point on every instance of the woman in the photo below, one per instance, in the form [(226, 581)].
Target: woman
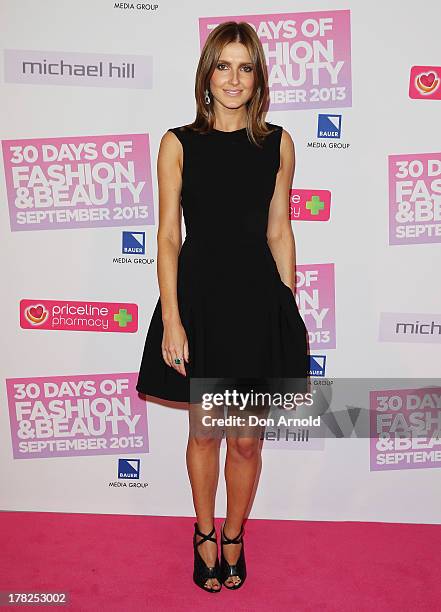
[(226, 306)]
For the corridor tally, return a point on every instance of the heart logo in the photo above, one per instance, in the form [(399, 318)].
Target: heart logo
[(36, 314), (427, 79), (36, 311), (427, 82)]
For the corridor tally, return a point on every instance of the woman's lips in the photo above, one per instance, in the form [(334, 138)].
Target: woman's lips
[(232, 92)]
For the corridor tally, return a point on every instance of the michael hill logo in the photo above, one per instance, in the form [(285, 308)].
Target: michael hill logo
[(410, 327), (35, 67)]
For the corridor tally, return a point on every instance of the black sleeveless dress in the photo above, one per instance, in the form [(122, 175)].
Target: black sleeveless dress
[(241, 320)]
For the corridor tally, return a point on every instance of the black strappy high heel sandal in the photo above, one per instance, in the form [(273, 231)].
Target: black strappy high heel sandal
[(202, 572), (239, 568)]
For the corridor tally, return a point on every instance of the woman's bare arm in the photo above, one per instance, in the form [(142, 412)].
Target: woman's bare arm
[(279, 234), (169, 239)]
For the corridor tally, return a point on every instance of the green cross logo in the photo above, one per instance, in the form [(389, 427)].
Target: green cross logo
[(123, 317), (315, 205)]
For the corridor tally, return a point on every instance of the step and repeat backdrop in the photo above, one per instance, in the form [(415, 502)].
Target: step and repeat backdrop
[(87, 91)]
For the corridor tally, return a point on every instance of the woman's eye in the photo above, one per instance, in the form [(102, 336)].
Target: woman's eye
[(245, 68)]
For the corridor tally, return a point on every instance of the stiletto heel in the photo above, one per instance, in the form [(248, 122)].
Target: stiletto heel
[(237, 569), (202, 572)]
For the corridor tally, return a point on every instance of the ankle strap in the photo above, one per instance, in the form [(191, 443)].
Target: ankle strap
[(236, 540), (205, 536)]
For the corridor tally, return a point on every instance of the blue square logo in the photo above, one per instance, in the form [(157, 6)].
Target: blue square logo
[(317, 365), (128, 469), (329, 126), (133, 243)]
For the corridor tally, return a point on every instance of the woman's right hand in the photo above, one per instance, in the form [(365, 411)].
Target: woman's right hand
[(175, 344)]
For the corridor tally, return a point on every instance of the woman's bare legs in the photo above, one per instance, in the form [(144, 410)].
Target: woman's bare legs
[(202, 459), (241, 466)]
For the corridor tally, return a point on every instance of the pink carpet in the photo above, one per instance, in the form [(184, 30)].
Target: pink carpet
[(124, 563)]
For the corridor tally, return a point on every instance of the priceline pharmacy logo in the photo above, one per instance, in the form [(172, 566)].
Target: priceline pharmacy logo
[(425, 82), (79, 316), (309, 204)]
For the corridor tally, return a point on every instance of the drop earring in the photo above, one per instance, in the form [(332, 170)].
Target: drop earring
[(207, 97)]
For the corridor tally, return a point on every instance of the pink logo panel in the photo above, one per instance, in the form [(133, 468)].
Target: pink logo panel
[(309, 204), (69, 416), (78, 316), (78, 181), (405, 429), (308, 56), (415, 198), (315, 295), (425, 82)]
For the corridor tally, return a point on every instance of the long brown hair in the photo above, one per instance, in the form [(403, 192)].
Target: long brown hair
[(223, 34)]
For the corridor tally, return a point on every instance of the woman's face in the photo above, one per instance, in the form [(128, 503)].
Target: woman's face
[(232, 81)]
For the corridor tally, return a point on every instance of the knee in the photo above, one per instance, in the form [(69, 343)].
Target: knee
[(203, 443), (244, 448)]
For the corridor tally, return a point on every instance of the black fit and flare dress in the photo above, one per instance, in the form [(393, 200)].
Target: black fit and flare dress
[(241, 320)]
